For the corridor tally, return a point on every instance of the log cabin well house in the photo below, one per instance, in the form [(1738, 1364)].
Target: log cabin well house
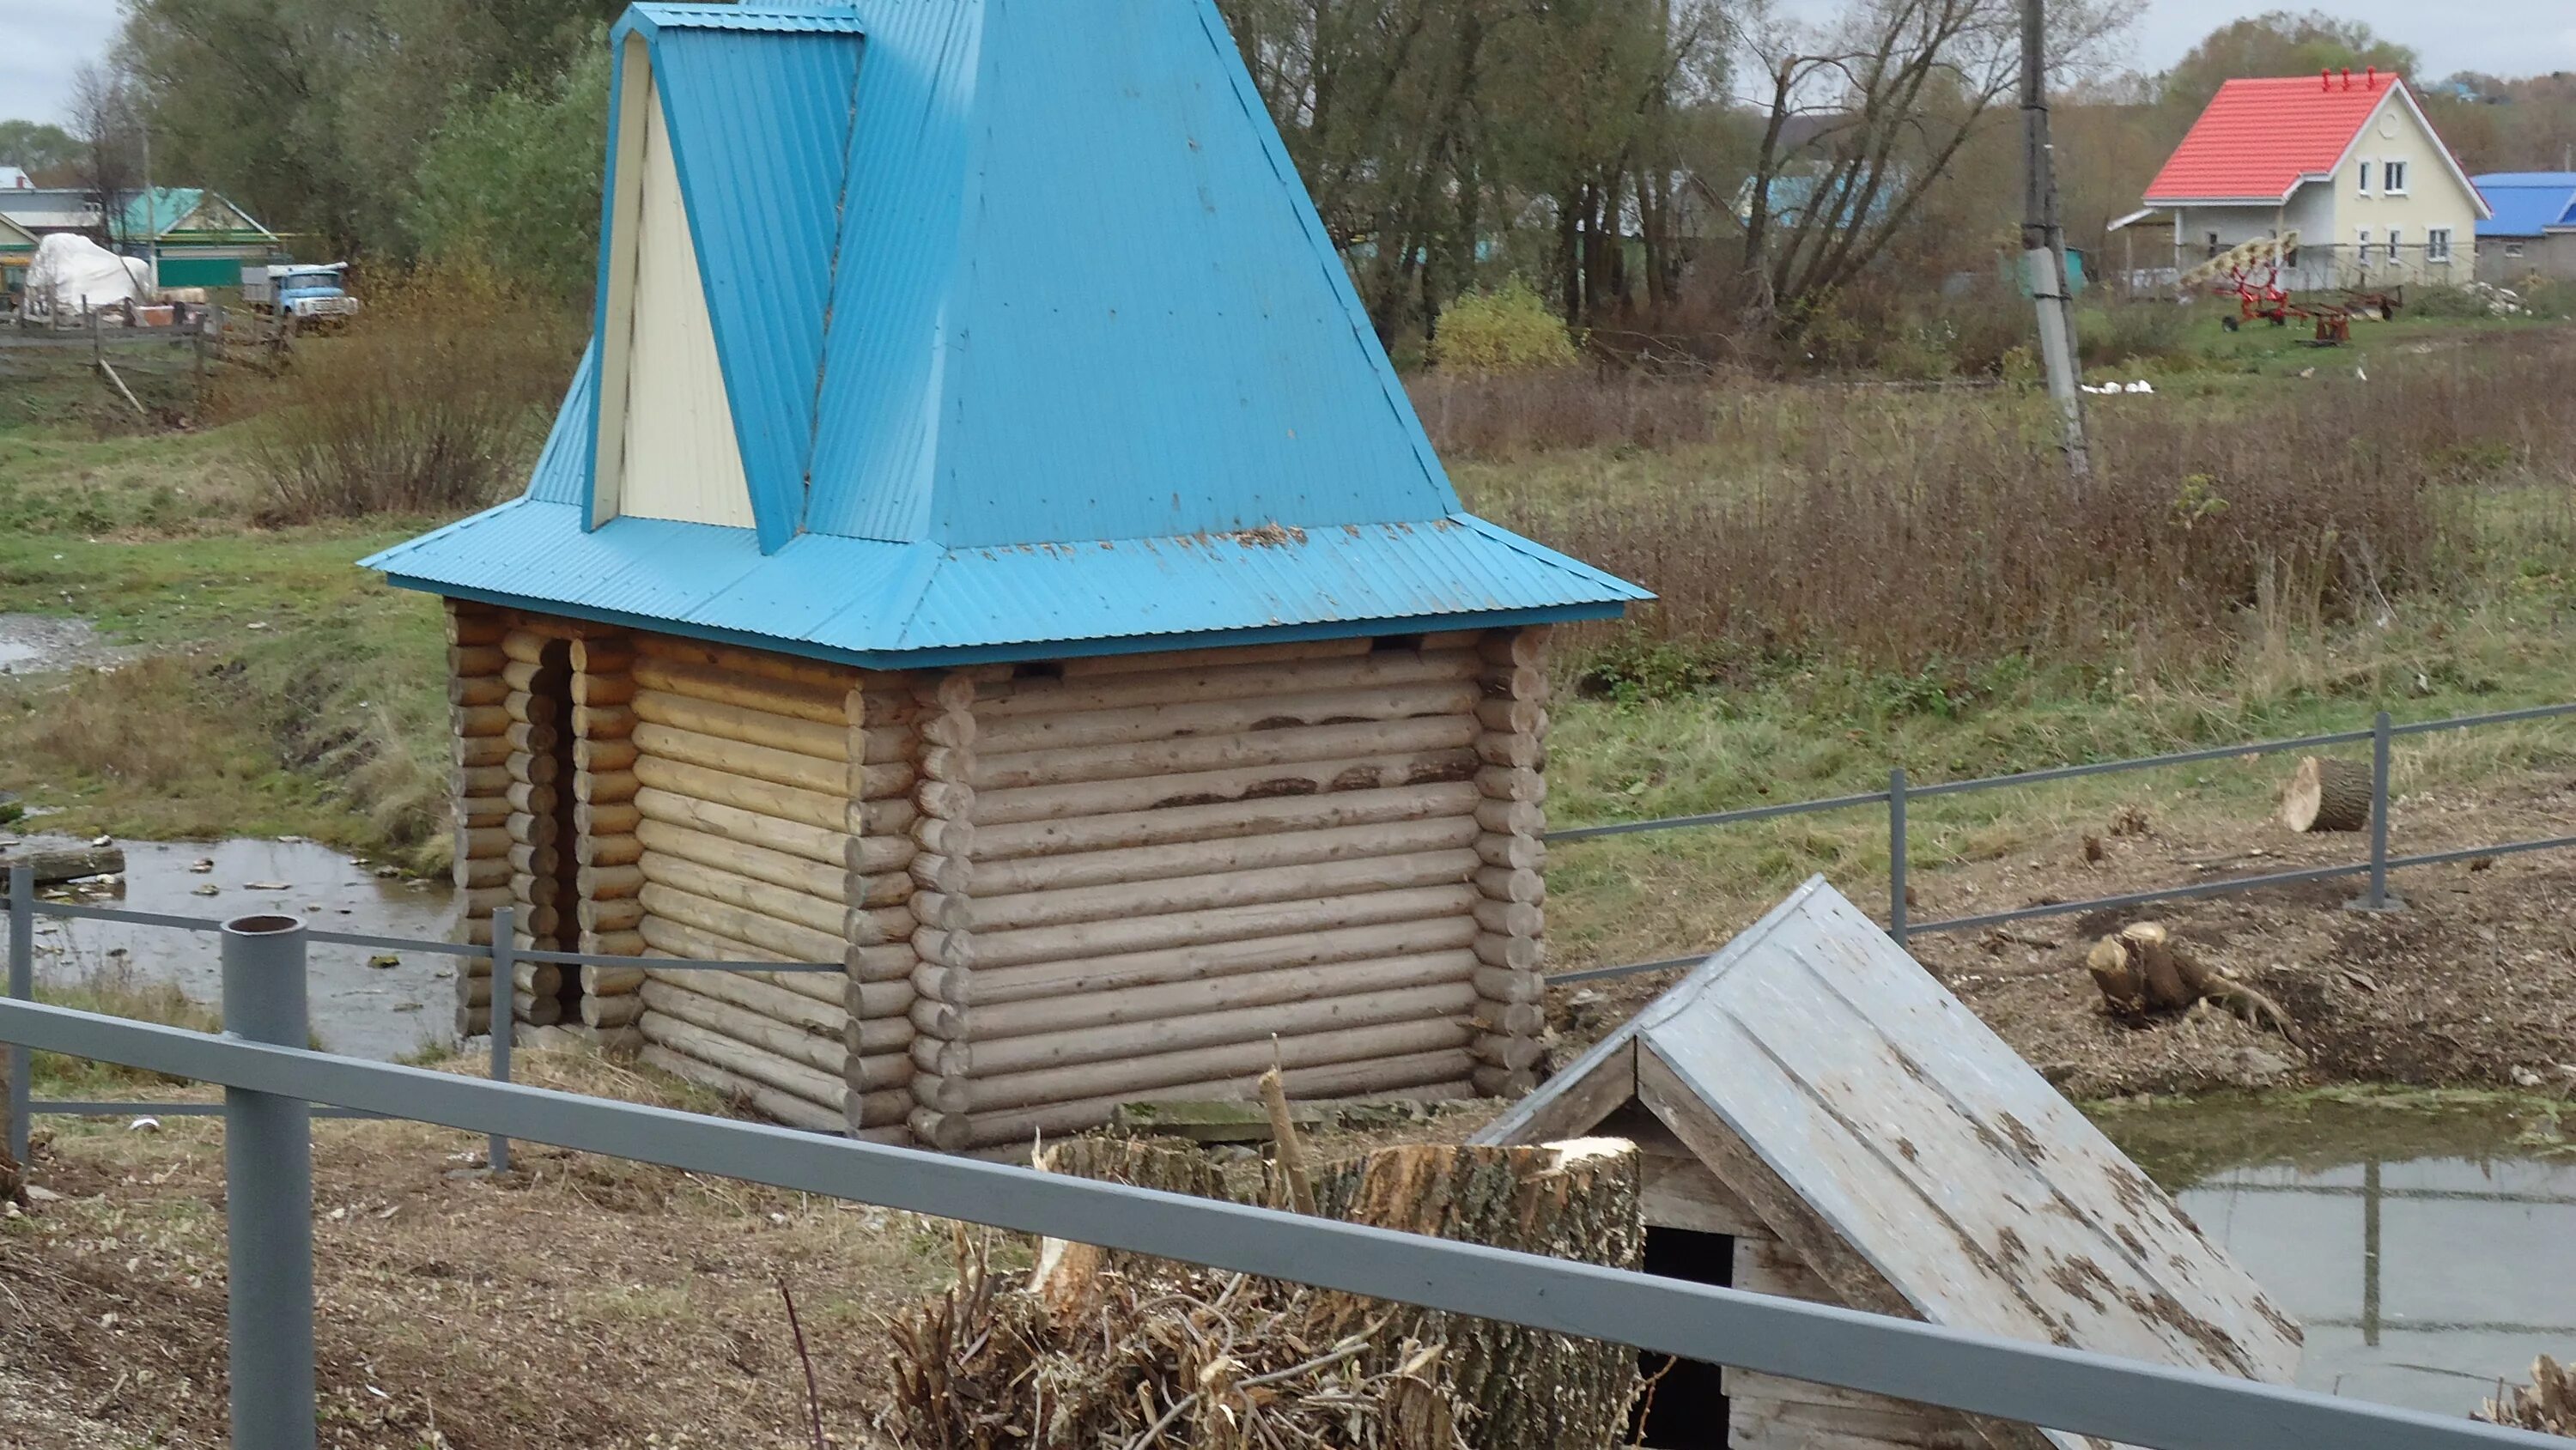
[(986, 546), (1821, 1119)]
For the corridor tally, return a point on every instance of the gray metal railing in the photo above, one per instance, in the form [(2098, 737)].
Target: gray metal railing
[(1901, 793), (269, 1079)]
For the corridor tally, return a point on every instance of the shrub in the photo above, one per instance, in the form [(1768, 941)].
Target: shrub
[(1507, 330), (435, 400)]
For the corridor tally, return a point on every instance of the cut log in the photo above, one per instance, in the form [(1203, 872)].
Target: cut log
[(1441, 1002), (1198, 858), (823, 882), (1035, 734), (792, 942), (1061, 765), (758, 1097), (1220, 822), (1434, 1076), (820, 704), (822, 1051), (52, 867), (1237, 1063), (743, 1060), (1082, 1010), (2142, 971), (825, 811), (829, 845), (1228, 682), (2327, 794), (760, 663), (1127, 900), (1046, 981), (764, 997), (1198, 788), (1197, 928)]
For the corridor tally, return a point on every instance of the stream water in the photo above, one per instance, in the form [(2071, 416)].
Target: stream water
[(379, 1011), (2429, 1251)]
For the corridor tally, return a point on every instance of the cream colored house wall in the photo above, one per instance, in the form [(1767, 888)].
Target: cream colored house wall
[(2434, 197), (667, 448)]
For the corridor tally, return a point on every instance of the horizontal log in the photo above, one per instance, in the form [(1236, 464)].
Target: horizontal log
[(525, 646), (1509, 1053), (764, 664), (890, 962), (1215, 656), (954, 729), (1293, 989), (613, 944), (878, 782), (947, 874), (875, 1074), (524, 828), (943, 837), (1512, 717), (879, 744), (478, 780), (530, 799), (1513, 853), (827, 883), (804, 807), (471, 624), (760, 995), (1036, 803), (483, 902), (870, 926), (602, 689), (529, 739), (530, 677), (688, 943), (530, 708), (828, 845), (1229, 821), (1510, 953), (607, 850), (1146, 1075), (1509, 783), (983, 987), (981, 1061), (1509, 918), (1507, 683), (606, 883), (535, 1011), (780, 903), (608, 787), (544, 893), (468, 751), (470, 661), (1512, 750), (791, 941), (1501, 883), (1510, 818), (473, 933), (1271, 745), (758, 762), (1443, 1071), (758, 1097), (474, 991), (473, 1021), (1227, 682), (1496, 985), (611, 1011), (534, 860), (475, 841), (600, 756), (1191, 928), (539, 979), (606, 819), (603, 722), (1031, 909), (479, 810), (602, 655), (797, 700), (1498, 1082), (612, 915), (612, 981), (822, 1051), (1524, 645)]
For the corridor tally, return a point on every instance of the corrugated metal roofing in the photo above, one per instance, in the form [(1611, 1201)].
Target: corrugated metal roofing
[(2527, 203), (1041, 303), (888, 604), (1931, 1149), (562, 474), (2260, 137)]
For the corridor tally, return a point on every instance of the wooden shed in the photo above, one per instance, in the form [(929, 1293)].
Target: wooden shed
[(985, 546), (1825, 1121)]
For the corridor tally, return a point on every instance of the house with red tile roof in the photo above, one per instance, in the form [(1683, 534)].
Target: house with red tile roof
[(2348, 164)]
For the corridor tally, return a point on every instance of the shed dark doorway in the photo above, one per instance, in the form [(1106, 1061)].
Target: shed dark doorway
[(1686, 1408)]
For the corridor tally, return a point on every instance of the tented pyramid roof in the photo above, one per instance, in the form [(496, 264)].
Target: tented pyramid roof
[(1028, 340)]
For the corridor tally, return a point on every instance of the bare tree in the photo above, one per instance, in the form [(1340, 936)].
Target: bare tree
[(107, 121), (1862, 115)]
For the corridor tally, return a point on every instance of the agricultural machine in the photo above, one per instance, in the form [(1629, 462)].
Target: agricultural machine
[(2252, 271)]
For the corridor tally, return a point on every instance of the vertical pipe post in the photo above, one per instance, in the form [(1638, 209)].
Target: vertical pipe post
[(1896, 855), (2379, 812), (503, 1015), (22, 986), (268, 1177)]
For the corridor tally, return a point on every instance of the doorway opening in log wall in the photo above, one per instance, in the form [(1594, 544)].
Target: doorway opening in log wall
[(554, 872), (1684, 1406)]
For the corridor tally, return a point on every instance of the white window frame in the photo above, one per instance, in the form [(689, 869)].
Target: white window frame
[(2395, 251), (2437, 244), (2361, 247), (2392, 178), (2513, 249), (2365, 178)]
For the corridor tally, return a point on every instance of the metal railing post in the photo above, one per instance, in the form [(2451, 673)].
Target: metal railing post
[(268, 1189), (2378, 899), (503, 1017), (22, 985), (1896, 854)]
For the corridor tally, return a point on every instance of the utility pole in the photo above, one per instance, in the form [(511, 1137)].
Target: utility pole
[(2043, 241)]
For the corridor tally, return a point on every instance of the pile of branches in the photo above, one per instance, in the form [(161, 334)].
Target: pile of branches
[(1124, 1351), (2547, 1404), (1172, 1357)]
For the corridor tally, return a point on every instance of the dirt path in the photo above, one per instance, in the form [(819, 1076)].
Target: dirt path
[(2474, 984)]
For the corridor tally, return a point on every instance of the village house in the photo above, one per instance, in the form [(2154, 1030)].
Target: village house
[(2533, 231), (985, 550), (2347, 163), (196, 238)]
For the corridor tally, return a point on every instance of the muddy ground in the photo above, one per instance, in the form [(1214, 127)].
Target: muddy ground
[(2473, 984)]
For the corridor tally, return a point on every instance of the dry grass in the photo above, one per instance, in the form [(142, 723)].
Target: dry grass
[(1900, 529), (434, 402)]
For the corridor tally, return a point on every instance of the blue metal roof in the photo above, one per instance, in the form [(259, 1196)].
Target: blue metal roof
[(2527, 203), (1033, 339)]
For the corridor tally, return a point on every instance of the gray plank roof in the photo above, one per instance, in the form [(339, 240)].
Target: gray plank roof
[(1933, 1151)]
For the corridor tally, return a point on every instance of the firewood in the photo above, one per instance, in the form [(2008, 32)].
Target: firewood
[(2327, 795)]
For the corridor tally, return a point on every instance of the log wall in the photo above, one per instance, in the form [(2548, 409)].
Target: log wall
[(1511, 849), (1155, 875), (478, 784)]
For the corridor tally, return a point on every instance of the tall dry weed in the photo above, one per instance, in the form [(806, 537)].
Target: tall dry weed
[(432, 402), (1899, 529)]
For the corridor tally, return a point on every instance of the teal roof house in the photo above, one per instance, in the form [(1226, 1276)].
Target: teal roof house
[(986, 546)]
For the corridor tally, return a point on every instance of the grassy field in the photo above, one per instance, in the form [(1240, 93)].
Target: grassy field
[(283, 690)]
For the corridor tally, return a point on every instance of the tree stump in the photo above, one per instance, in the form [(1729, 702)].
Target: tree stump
[(2327, 795), (2143, 972), (2547, 1404)]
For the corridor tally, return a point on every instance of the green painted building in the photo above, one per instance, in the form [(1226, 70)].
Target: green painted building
[(17, 249), (202, 239)]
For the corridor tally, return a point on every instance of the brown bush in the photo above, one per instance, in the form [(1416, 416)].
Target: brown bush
[(1903, 528), (432, 402)]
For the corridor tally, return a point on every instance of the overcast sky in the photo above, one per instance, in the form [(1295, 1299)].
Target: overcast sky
[(41, 41)]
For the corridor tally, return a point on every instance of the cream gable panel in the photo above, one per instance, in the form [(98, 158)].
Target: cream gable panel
[(674, 452)]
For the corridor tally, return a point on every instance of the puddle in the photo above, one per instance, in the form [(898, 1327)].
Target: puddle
[(2430, 1253), (38, 643), (364, 1011)]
